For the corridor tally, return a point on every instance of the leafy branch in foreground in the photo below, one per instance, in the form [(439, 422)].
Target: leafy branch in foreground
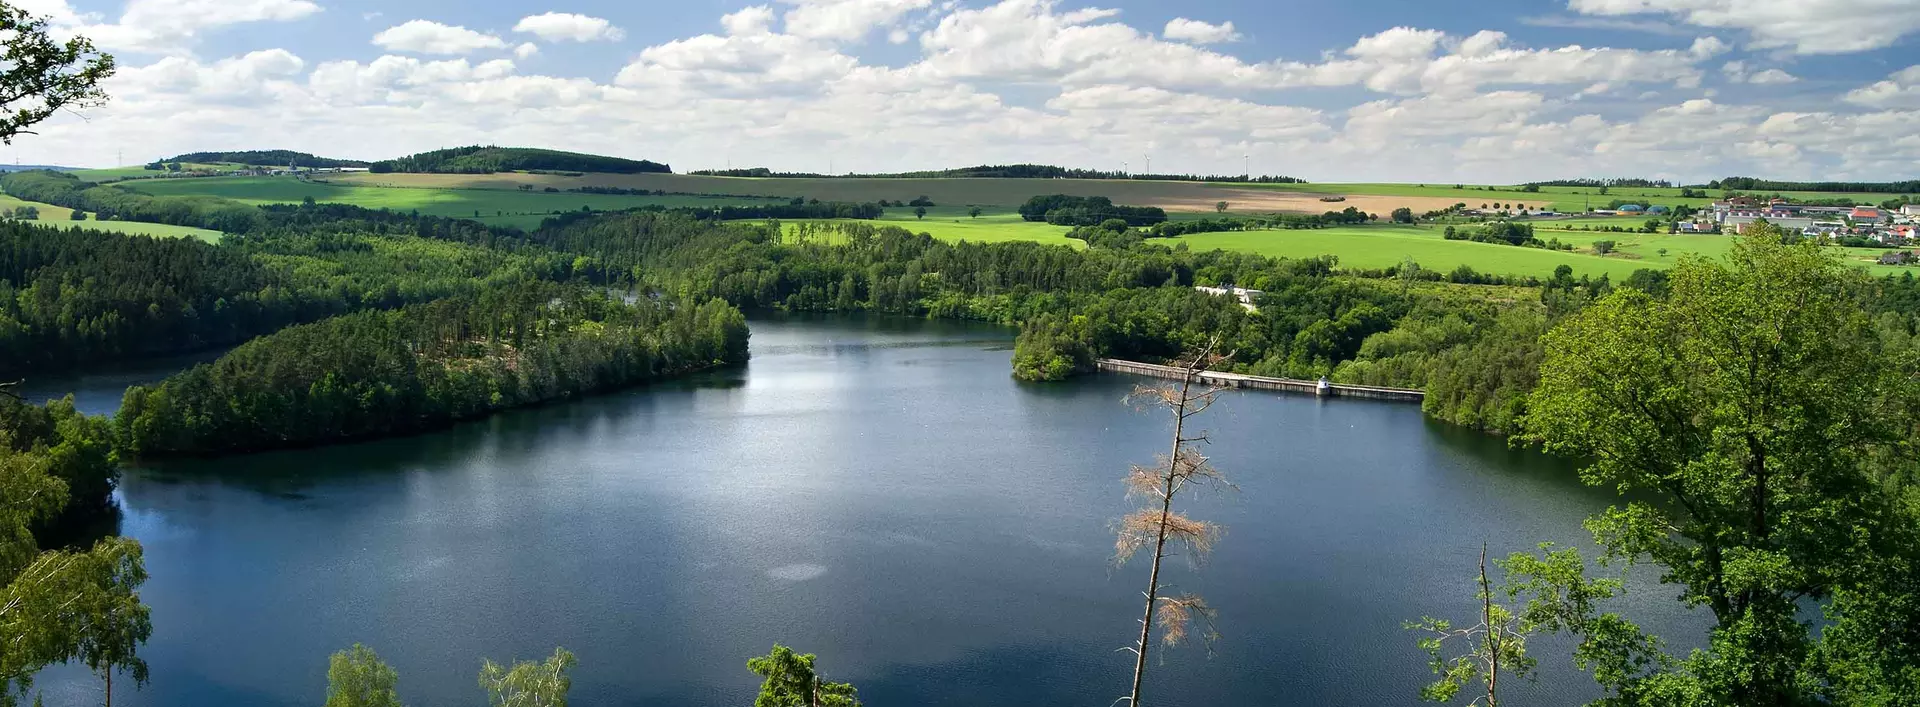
[(1498, 642), (40, 75), (792, 682)]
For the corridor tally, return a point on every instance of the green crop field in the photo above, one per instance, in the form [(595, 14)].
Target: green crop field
[(953, 224), (138, 171), (532, 206), (62, 217)]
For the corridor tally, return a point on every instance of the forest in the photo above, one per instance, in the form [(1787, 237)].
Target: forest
[(489, 159), (71, 298), (384, 373), (1910, 186), (267, 158), (1064, 210)]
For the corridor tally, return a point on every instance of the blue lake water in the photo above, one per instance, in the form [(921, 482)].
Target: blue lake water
[(878, 492)]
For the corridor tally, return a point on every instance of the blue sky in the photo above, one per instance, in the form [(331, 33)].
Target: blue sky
[(1359, 90)]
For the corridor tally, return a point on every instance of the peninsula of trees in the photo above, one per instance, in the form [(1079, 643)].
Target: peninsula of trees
[(376, 374), (490, 159)]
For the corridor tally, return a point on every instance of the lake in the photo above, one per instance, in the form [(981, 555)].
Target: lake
[(879, 492)]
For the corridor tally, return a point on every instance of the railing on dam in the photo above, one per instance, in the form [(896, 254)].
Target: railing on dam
[(1282, 385)]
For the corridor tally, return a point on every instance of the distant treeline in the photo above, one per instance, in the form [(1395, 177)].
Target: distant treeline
[(266, 158), (395, 372), (1011, 171), (1630, 182), (1064, 210), (1911, 186), (489, 159)]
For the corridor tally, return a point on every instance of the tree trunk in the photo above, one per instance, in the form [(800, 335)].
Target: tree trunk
[(1160, 541), (1493, 635)]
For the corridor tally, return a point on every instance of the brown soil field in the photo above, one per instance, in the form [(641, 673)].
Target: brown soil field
[(1006, 193)]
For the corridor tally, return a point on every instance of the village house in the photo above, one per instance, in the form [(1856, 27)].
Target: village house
[(1866, 216)]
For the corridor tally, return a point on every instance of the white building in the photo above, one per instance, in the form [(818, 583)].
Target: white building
[(1246, 297)]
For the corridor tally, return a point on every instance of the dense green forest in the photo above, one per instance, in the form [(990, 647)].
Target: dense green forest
[(267, 158), (490, 159), (394, 372), (72, 298), (1911, 186)]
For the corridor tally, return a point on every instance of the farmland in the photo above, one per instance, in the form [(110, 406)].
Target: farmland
[(498, 206), (61, 217), (498, 199)]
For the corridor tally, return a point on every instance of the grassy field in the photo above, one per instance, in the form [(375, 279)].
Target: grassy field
[(62, 217), (953, 224), (137, 171), (503, 206)]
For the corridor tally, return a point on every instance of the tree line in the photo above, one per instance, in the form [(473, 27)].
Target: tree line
[(266, 158), (383, 373), (1064, 210), (1911, 186), (488, 159), (1009, 171)]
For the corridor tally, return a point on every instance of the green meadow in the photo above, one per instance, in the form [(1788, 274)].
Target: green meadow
[(62, 217)]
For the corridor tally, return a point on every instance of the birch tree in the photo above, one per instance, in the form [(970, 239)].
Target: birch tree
[(1156, 526)]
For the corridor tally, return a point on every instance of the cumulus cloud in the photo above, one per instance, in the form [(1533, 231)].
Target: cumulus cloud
[(168, 26), (429, 37), (1181, 29), (563, 26), (1901, 90), (1803, 26), (1021, 81), (845, 20)]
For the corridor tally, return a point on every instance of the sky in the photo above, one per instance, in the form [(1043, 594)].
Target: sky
[(1429, 91)]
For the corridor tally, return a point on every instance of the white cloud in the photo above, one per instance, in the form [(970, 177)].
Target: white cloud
[(169, 26), (428, 37), (1804, 26), (751, 20), (1181, 29), (562, 26), (845, 20), (1901, 90), (1024, 81)]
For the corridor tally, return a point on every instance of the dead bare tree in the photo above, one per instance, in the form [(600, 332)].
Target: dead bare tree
[(1157, 525), (6, 390)]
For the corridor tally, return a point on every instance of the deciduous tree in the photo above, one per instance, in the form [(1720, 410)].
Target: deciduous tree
[(356, 677), (527, 683), (791, 681)]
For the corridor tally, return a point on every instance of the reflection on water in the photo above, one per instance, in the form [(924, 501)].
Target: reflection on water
[(876, 491)]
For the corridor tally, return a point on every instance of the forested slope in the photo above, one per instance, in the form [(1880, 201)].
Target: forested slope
[(394, 372), (489, 159)]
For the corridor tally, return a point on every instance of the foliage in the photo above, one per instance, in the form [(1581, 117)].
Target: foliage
[(42, 75), (70, 448), (384, 373), (792, 682), (61, 605), (1749, 415), (1755, 184), (265, 158), (356, 677), (489, 159), (529, 684), (1497, 642), (1064, 210)]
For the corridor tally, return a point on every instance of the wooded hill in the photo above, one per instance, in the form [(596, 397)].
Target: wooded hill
[(490, 159), (266, 158)]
